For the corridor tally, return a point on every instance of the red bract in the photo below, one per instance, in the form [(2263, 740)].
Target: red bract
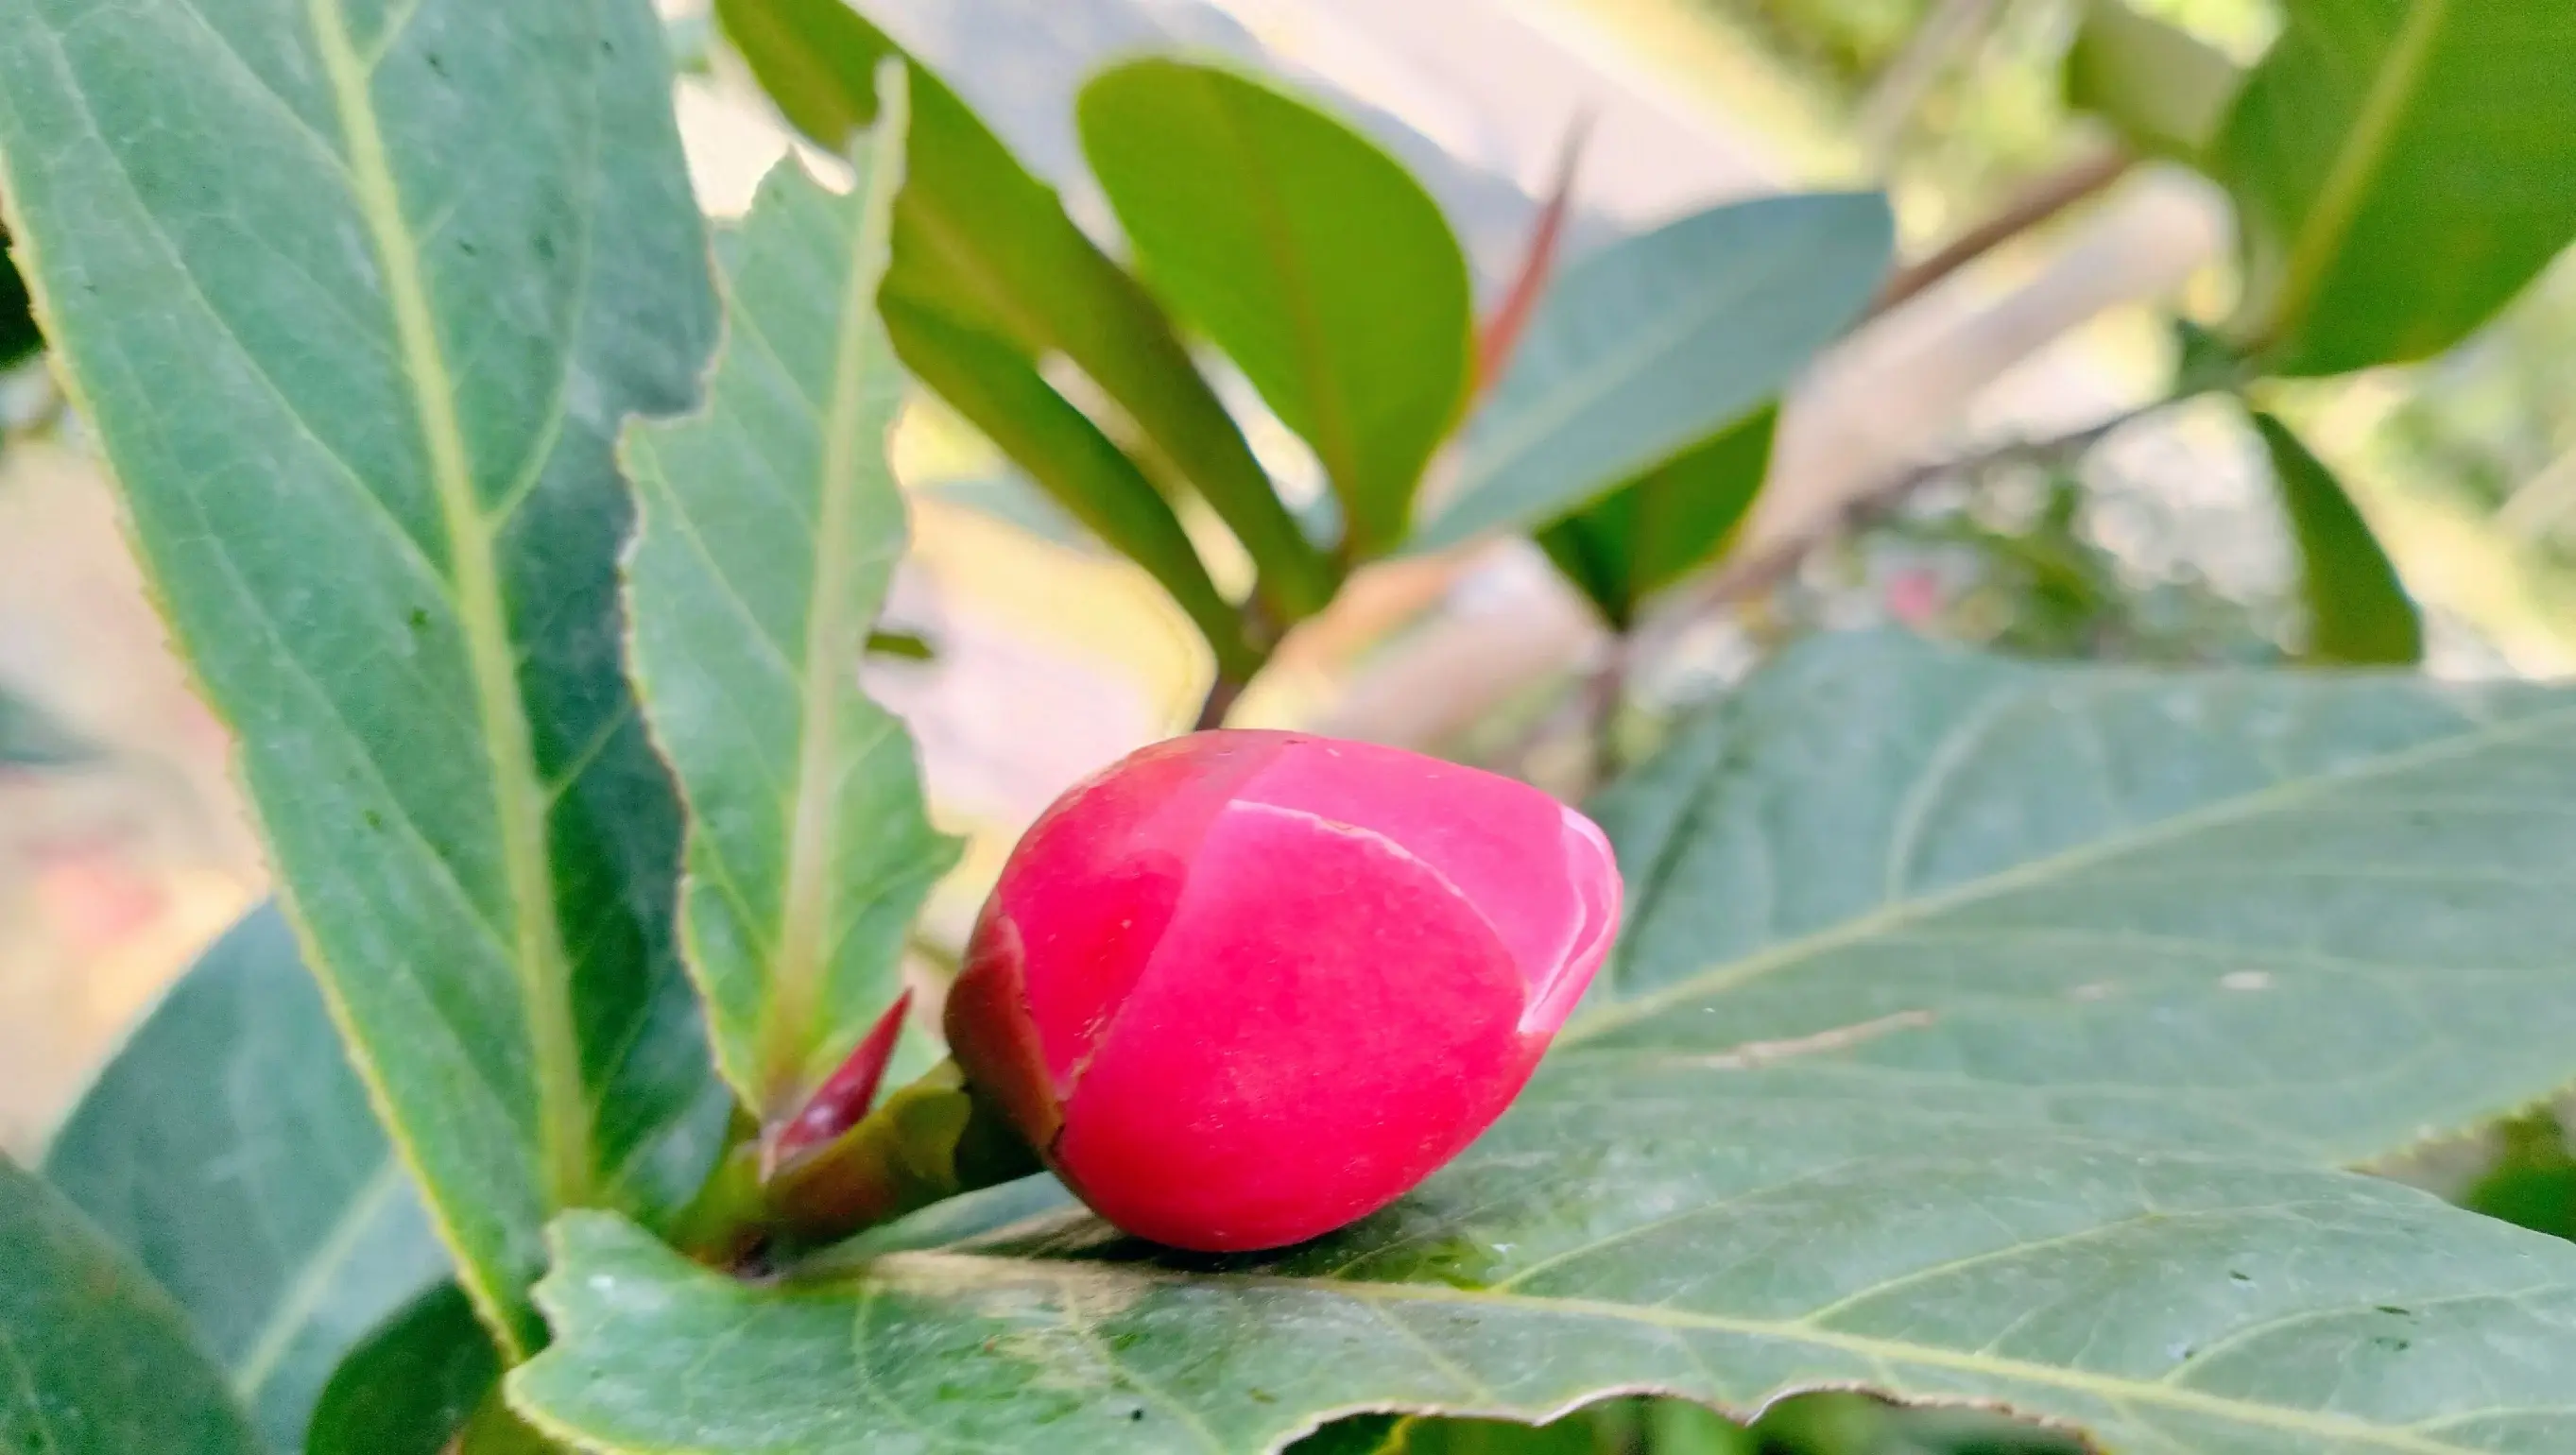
[(1245, 987)]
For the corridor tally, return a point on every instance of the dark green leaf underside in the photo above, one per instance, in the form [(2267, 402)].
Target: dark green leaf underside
[(410, 1386), (2358, 611), (1671, 521)]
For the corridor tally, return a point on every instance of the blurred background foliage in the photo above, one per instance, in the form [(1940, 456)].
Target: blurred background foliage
[(2031, 531)]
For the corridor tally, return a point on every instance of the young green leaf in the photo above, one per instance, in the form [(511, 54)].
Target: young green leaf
[(2162, 87), (358, 380), (1655, 345), (2358, 610), (101, 1362), (979, 241), (1900, 917), (770, 526), (1307, 254), (2400, 169), (1001, 393), (230, 1150), (410, 1385), (1679, 516)]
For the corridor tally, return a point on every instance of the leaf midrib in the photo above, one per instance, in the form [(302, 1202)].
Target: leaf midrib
[(538, 956), (804, 939), (945, 1272), (2031, 873), (2374, 131), (1336, 443)]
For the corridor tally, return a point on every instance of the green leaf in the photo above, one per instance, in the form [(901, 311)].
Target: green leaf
[(230, 1150), (2400, 169), (1678, 517), (982, 243), (1307, 254), (411, 1385), (2162, 87), (2533, 1182), (2358, 610), (1983, 1032), (357, 355), (986, 380), (770, 527), (1656, 345), (100, 1362)]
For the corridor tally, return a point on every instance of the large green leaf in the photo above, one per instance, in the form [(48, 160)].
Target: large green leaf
[(1982, 1031), (1677, 517), (99, 1361), (231, 1151), (981, 241), (1308, 255), (2400, 169), (2358, 611), (771, 524), (354, 298), (1655, 345), (2164, 88)]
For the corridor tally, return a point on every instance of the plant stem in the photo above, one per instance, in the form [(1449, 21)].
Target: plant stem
[(929, 1141), (1751, 575), (1604, 690), (1219, 701), (2043, 200)]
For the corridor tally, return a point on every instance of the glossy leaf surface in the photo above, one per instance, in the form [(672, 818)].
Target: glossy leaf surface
[(1307, 254), (2400, 169)]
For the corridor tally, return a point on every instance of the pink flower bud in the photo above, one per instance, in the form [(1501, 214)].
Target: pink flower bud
[(1242, 988)]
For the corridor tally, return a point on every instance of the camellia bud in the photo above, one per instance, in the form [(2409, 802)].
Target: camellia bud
[(1244, 987)]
